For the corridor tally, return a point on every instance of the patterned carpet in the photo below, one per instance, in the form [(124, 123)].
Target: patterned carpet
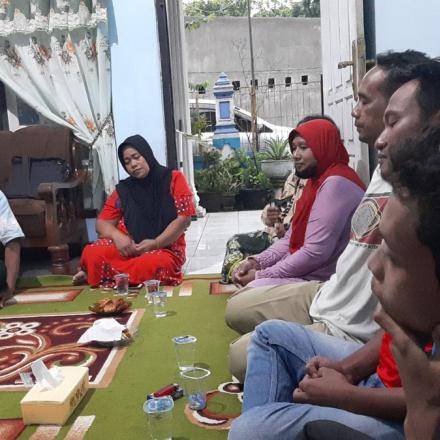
[(123, 376), (52, 338)]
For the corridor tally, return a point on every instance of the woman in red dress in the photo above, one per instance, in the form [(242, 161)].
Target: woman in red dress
[(142, 224)]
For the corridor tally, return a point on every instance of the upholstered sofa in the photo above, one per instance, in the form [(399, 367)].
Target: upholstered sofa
[(49, 212)]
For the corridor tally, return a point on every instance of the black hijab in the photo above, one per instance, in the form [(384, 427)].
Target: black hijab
[(147, 204)]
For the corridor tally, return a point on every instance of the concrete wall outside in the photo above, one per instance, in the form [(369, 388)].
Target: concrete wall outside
[(136, 75), (283, 47), (407, 24)]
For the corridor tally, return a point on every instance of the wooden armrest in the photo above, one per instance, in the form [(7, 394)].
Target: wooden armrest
[(47, 191)]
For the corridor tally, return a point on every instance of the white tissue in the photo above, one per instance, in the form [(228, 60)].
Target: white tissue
[(104, 330), (48, 379)]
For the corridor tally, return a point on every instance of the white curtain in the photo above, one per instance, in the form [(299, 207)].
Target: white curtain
[(54, 54)]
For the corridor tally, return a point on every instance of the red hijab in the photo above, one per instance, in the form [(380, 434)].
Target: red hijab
[(324, 139)]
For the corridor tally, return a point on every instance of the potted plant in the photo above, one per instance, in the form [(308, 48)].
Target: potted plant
[(255, 186), (216, 186), (276, 160)]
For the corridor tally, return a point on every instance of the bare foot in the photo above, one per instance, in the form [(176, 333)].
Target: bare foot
[(6, 297), (79, 278)]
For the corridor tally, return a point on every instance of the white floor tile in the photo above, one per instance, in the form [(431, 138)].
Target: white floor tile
[(208, 264)]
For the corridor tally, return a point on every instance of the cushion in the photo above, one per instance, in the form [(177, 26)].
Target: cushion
[(26, 174)]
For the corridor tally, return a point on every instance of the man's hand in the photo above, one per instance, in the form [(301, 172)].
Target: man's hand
[(324, 389), (420, 378), (125, 245), (315, 363), (146, 245), (272, 215)]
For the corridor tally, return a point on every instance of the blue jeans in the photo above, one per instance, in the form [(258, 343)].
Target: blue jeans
[(277, 356)]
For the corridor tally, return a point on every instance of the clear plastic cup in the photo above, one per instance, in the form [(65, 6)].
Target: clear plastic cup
[(121, 284), (160, 304), (185, 347), (151, 286), (159, 412), (195, 385)]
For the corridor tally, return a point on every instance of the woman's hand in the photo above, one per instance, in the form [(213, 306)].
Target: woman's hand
[(146, 245), (280, 230), (242, 271), (125, 245), (244, 280), (272, 215)]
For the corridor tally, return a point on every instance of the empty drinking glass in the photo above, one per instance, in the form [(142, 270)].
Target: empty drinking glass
[(160, 304), (185, 347)]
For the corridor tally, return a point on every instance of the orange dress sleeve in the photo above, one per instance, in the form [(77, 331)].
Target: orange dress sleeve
[(183, 197)]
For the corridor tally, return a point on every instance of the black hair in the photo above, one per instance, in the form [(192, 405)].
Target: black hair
[(313, 117), (416, 169), (398, 67), (428, 91)]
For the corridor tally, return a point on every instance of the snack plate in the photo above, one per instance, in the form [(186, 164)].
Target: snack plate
[(95, 309), (92, 309)]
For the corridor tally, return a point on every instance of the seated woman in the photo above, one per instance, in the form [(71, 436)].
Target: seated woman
[(277, 220), (142, 224), (321, 224)]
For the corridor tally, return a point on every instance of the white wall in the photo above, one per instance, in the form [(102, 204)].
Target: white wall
[(136, 75), (408, 24)]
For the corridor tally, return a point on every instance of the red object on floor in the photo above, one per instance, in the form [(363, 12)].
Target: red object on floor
[(10, 429), (216, 288)]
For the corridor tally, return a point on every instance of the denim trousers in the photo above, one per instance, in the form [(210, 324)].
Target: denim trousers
[(277, 355)]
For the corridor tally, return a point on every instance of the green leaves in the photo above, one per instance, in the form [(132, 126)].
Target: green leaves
[(275, 148), (206, 10), (232, 174)]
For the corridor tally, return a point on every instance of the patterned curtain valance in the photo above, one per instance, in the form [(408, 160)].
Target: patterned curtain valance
[(28, 16)]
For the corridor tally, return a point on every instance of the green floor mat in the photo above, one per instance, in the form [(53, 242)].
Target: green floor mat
[(44, 281), (148, 364)]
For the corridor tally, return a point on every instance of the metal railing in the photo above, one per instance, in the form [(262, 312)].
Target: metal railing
[(281, 104)]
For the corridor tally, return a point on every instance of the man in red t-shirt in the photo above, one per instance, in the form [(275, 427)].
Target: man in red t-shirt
[(295, 375)]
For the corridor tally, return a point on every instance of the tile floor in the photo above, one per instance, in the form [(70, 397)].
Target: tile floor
[(205, 243), (206, 238)]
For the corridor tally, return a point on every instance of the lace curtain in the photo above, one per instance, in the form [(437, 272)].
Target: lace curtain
[(54, 54)]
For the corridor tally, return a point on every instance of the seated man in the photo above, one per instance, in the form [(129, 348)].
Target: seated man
[(422, 395), (344, 305), (321, 223), (10, 234), (296, 375)]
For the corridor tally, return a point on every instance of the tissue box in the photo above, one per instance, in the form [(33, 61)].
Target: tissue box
[(54, 406)]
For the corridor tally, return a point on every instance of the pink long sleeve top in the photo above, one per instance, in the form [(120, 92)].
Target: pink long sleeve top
[(327, 234)]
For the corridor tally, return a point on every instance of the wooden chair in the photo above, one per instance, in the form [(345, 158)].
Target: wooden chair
[(50, 213)]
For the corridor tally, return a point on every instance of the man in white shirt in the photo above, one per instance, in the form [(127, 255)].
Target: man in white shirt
[(10, 235)]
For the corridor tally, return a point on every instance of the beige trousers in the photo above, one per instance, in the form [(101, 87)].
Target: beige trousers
[(251, 306)]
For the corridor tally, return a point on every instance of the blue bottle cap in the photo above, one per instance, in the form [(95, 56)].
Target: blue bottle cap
[(159, 404), (186, 339)]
